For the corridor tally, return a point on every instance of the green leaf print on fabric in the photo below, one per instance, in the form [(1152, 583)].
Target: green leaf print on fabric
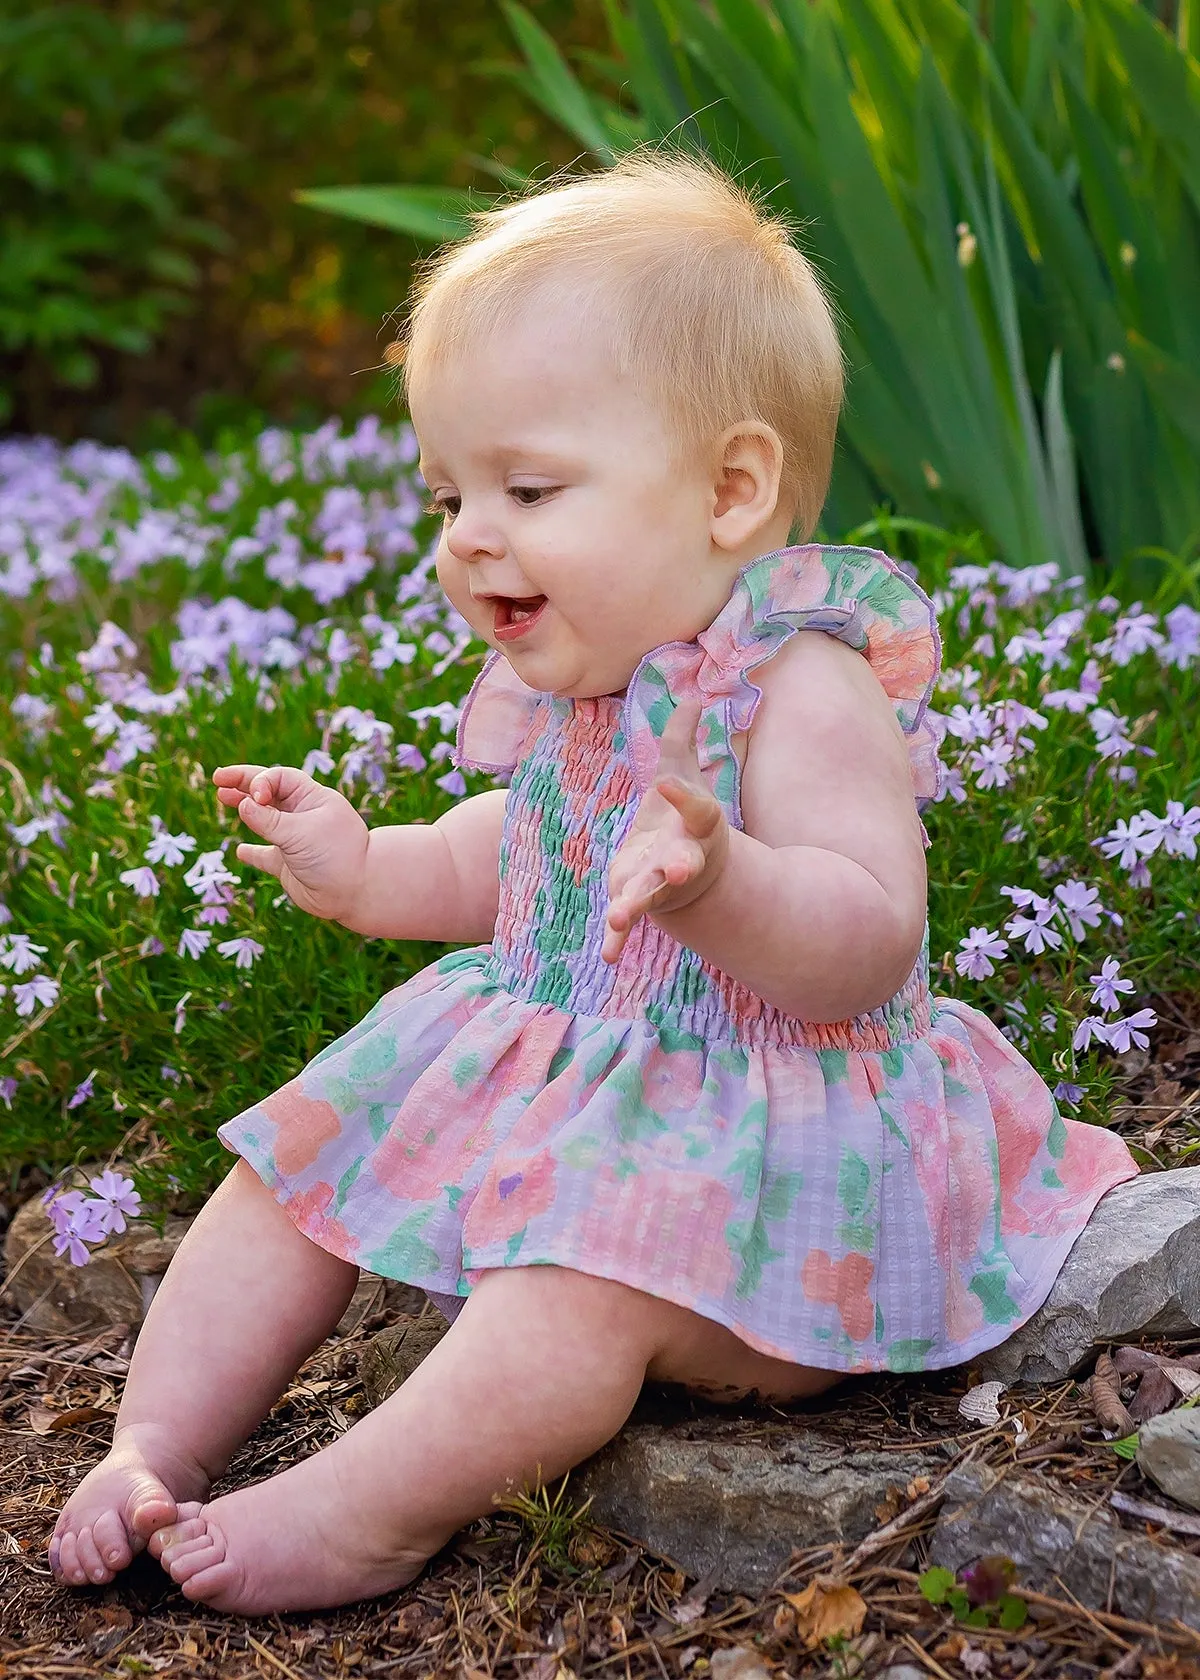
[(835, 1068), (892, 1063), (600, 1061), (372, 1058), (908, 1354), (559, 1062), (343, 1185), (379, 1118), (341, 1094), (780, 1194), (582, 1153), (466, 1070), (857, 1230), (405, 1252), (1056, 1137), (514, 1245), (878, 1322), (751, 1242), (1051, 1179), (885, 1114), (992, 1290), (454, 1195), (634, 1117)]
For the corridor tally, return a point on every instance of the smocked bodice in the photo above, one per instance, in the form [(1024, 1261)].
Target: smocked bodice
[(571, 801)]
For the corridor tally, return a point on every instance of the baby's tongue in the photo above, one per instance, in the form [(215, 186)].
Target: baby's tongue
[(518, 610)]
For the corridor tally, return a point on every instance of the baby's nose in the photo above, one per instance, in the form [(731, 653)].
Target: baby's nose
[(472, 538)]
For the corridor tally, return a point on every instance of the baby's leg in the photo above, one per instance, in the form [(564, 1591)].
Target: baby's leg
[(542, 1367), (243, 1303)]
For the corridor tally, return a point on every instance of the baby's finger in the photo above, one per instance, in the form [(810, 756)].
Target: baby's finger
[(236, 775), (267, 820), (677, 754), (269, 858), (700, 811)]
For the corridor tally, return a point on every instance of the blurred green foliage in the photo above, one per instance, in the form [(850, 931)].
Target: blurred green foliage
[(99, 129), (234, 108)]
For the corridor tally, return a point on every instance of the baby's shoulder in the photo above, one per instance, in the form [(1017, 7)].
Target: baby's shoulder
[(820, 684)]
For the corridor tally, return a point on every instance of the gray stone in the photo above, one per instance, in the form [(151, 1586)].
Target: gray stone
[(731, 1499), (118, 1283), (1057, 1541), (1169, 1453), (1133, 1273), (394, 1354), (115, 1287)]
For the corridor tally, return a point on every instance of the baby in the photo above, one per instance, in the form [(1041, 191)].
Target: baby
[(683, 1109)]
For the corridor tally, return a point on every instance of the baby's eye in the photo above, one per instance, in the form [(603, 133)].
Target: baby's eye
[(529, 495), (443, 505)]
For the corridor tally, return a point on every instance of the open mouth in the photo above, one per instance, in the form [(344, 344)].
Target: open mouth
[(516, 616)]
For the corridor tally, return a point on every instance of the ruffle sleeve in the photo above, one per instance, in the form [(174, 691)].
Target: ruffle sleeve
[(856, 594), (495, 719)]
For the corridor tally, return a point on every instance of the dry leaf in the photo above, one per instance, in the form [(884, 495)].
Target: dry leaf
[(1187, 1382), (45, 1422), (1156, 1394), (1105, 1390), (827, 1608), (918, 1486), (738, 1662), (979, 1404)]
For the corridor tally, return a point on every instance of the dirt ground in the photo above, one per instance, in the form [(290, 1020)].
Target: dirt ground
[(537, 1593)]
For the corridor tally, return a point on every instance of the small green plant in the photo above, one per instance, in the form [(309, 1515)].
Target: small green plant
[(550, 1522), (979, 1595)]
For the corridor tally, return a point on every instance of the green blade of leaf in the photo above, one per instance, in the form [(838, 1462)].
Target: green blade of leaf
[(425, 212)]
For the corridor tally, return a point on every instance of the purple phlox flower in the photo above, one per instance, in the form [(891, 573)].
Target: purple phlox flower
[(111, 646), (1128, 841), (1021, 896), (409, 757), (244, 949), (1111, 732), (952, 786), (167, 848), (1013, 833), (1107, 984), (1091, 1027), (104, 721), (41, 989), (18, 952), (976, 950), (969, 723), (1023, 584), (392, 650), (102, 788), (77, 1219), (340, 650), (151, 946), (1068, 1094), (143, 880), (1176, 832), (82, 1092), (1068, 699), (193, 942), (35, 713), (181, 1013), (1125, 1031), (1079, 906), (453, 783), (1034, 930), (27, 832), (1183, 631), (454, 652), (170, 1075), (440, 751), (317, 763), (989, 763), (8, 1089), (1133, 633), (6, 914), (209, 867), (445, 714), (117, 1197)]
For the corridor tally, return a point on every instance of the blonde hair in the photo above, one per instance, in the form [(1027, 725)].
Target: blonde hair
[(711, 308)]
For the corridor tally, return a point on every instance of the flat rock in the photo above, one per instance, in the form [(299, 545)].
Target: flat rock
[(732, 1498), (1057, 1541), (118, 1282), (394, 1354), (1169, 1453), (1134, 1273)]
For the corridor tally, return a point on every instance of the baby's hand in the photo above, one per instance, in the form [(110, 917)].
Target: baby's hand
[(318, 841), (678, 843)]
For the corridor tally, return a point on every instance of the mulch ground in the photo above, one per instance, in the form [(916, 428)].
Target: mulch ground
[(538, 1593)]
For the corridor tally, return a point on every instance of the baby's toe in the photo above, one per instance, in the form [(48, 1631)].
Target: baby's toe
[(69, 1569), (190, 1526), (111, 1540), (194, 1558), (93, 1565)]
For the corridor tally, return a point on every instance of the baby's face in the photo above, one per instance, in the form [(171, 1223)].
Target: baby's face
[(574, 538)]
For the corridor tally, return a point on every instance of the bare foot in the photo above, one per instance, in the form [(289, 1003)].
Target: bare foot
[(119, 1505), (285, 1544)]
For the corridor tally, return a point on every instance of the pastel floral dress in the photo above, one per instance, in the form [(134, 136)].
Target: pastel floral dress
[(897, 1191)]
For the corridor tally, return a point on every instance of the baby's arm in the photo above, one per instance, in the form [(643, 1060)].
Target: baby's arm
[(819, 906), (454, 866)]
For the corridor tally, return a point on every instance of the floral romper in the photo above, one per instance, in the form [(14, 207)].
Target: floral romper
[(896, 1191)]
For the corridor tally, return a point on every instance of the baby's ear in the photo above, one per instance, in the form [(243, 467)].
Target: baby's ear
[(746, 480)]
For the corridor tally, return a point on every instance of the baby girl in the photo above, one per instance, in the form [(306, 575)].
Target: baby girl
[(683, 1108)]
